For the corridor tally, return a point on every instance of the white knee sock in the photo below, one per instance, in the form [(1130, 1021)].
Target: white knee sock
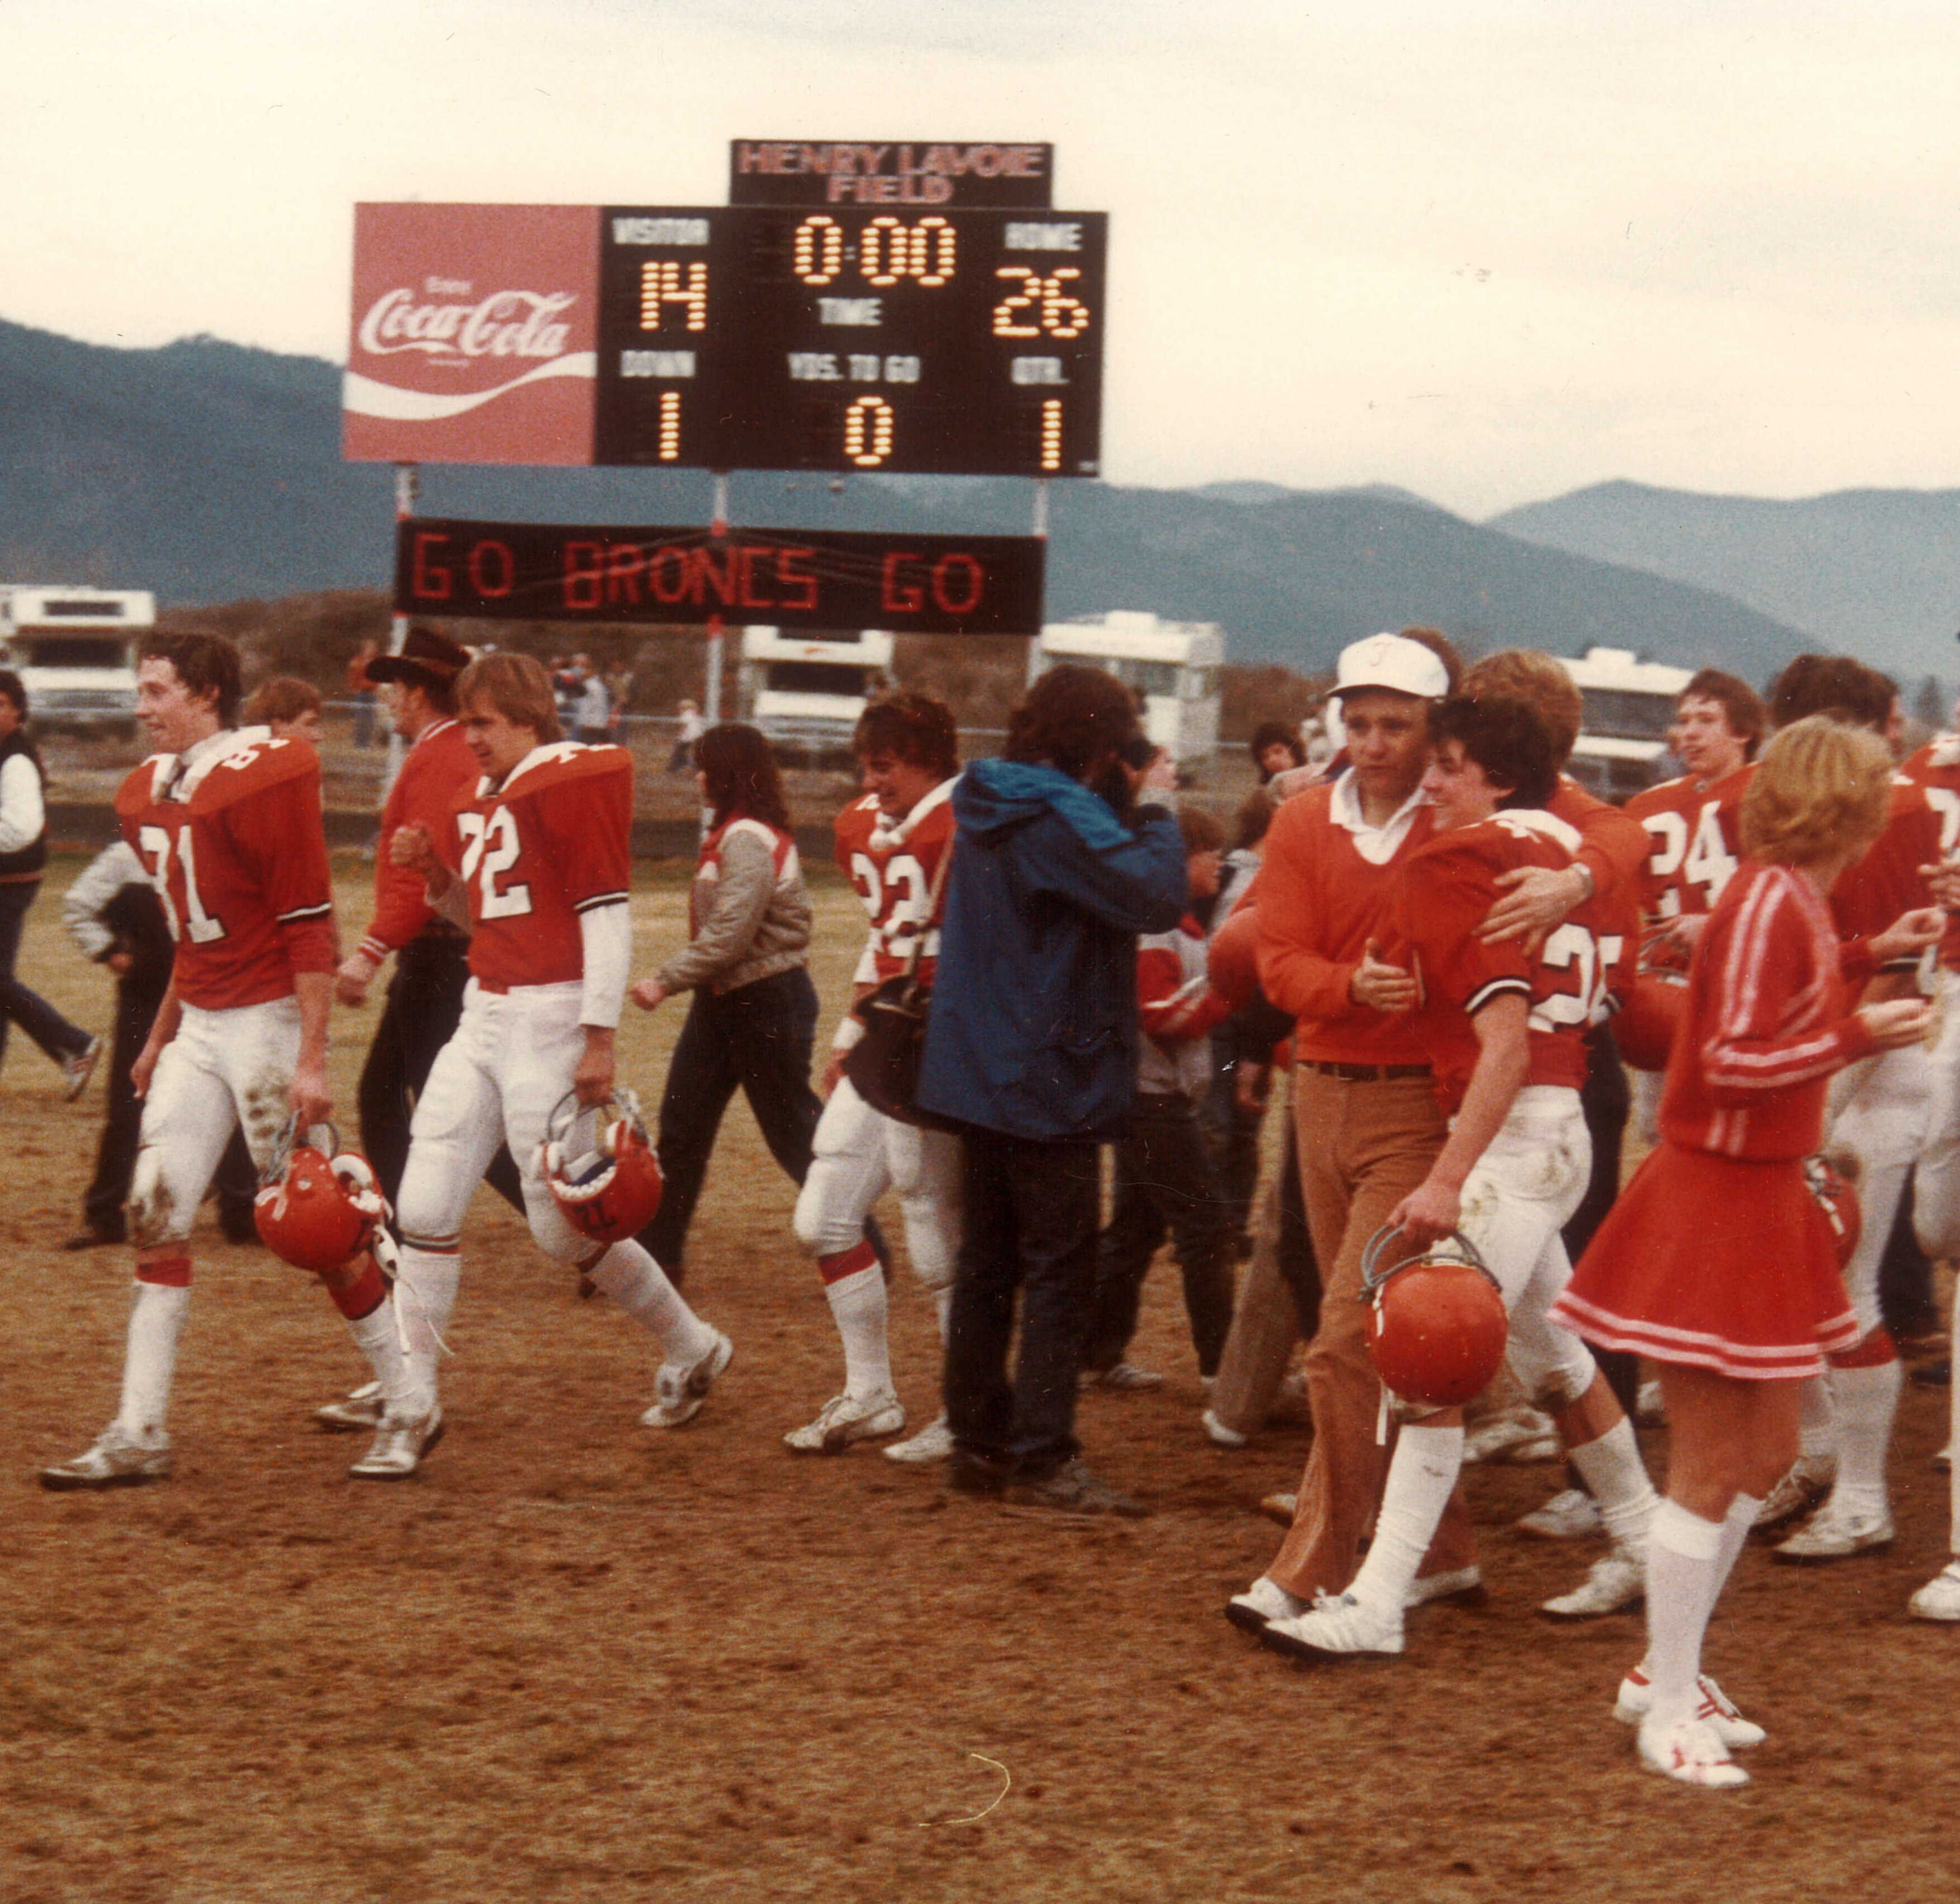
[(1614, 1472), (424, 1296), (640, 1286), (1867, 1400), (1681, 1558), (858, 1306), (149, 1365), (1816, 1424), (404, 1396), (1421, 1476), (1735, 1526)]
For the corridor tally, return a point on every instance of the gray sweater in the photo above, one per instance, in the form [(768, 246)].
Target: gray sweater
[(749, 909)]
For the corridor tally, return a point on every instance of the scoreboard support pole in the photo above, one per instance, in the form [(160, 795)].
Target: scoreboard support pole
[(408, 484), (1038, 529), (710, 696)]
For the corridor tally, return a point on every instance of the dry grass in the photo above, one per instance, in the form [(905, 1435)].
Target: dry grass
[(576, 1659)]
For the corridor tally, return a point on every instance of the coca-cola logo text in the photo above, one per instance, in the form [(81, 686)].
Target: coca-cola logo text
[(507, 323)]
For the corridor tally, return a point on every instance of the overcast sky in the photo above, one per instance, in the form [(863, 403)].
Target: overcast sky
[(1488, 252)]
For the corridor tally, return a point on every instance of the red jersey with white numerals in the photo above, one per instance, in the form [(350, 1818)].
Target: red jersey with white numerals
[(1446, 888), (554, 841), (232, 844), (1694, 833), (1871, 895), (892, 865), (1935, 770)]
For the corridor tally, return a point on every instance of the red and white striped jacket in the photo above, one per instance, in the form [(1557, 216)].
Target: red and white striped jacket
[(1765, 1023), (1177, 1009)]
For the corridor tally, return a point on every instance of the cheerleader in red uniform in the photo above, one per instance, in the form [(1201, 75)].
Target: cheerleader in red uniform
[(1716, 1262)]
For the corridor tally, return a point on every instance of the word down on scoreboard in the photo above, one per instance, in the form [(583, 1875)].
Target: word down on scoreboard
[(792, 577)]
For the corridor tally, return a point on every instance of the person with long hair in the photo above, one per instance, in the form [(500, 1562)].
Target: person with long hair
[(1717, 1262), (753, 1022)]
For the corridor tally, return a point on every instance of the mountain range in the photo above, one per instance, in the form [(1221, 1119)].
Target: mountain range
[(209, 471)]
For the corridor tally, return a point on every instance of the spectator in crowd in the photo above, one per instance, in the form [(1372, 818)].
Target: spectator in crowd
[(619, 692), (687, 736), (289, 706), (1031, 1049), (592, 713), (1275, 748), (24, 852)]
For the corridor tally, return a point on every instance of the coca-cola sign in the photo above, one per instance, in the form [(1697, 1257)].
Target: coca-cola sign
[(474, 336)]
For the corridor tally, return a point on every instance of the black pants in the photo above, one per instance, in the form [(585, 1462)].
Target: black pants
[(1165, 1182), (756, 1039), (137, 998), (1029, 1230), (424, 1004), (18, 1004)]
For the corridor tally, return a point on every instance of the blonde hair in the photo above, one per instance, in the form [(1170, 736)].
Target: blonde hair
[(515, 686), (1545, 685), (1820, 790)]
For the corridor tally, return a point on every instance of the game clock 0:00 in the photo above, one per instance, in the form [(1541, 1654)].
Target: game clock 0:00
[(956, 342)]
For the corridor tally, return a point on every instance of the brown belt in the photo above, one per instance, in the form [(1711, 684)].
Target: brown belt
[(1364, 1073)]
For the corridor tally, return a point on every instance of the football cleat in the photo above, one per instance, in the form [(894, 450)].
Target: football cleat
[(1689, 1749), (400, 1443), (79, 1069), (1573, 1515), (599, 1163), (117, 1459), (317, 1209), (1261, 1603), (361, 1408), (1337, 1627), (681, 1388), (1435, 1323), (1805, 1483), (1456, 1586), (1835, 1533), (1616, 1581), (1939, 1598), (933, 1442), (846, 1419), (1219, 1433)]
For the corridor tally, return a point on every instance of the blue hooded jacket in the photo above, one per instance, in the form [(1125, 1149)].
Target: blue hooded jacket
[(1033, 1030)]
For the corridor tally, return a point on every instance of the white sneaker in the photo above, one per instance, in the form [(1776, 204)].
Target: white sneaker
[(1617, 1582), (1807, 1481), (80, 1068), (361, 1409), (1689, 1749), (1717, 1711), (1337, 1627), (681, 1388), (1573, 1516), (845, 1420), (1280, 1508), (401, 1442), (1836, 1533), (933, 1442), (1216, 1432), (1261, 1603), (1461, 1586), (116, 1461), (1518, 1435), (1939, 1598), (1126, 1377)]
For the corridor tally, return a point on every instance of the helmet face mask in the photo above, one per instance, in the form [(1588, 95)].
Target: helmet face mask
[(598, 1162), (317, 1209), (1436, 1326)]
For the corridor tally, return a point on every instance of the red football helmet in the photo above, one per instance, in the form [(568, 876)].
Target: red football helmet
[(317, 1209), (1435, 1323), (1838, 1200), (1231, 961), (599, 1165)]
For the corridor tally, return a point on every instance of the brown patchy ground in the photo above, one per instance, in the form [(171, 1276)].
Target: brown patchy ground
[(578, 1659)]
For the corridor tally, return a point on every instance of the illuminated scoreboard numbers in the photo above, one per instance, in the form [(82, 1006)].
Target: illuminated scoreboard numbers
[(1051, 435), (669, 439), (1039, 305), (868, 430), (888, 251), (816, 252), (667, 281)]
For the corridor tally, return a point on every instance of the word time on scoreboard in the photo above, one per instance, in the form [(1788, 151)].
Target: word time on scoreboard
[(965, 341)]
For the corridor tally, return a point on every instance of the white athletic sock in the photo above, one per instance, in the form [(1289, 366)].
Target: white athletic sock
[(1735, 1526), (424, 1296), (403, 1396), (1867, 1400), (149, 1364), (1420, 1475), (640, 1286), (858, 1306), (1816, 1424), (942, 1303), (1681, 1558), (1616, 1478)]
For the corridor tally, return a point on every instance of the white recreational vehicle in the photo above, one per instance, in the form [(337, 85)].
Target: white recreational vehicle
[(1174, 665), (807, 691), (1629, 704), (75, 650)]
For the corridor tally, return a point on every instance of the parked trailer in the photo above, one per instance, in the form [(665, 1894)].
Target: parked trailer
[(806, 692), (1174, 665), (75, 650), (1629, 705)]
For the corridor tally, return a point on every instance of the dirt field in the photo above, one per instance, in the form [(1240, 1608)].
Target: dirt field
[(579, 1659)]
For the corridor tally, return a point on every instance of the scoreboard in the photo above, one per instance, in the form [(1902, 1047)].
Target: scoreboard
[(965, 341)]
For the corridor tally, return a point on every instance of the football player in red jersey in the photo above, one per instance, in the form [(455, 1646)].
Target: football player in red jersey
[(890, 843), (1504, 1030), (226, 822), (536, 862)]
